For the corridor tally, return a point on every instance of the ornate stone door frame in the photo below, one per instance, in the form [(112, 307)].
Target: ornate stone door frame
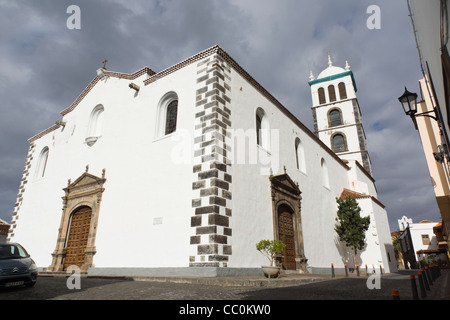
[(285, 192), (87, 191)]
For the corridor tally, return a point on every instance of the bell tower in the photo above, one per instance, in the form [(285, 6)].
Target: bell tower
[(336, 114)]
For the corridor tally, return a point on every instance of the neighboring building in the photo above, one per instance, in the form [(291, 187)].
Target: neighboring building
[(442, 243), (4, 228), (423, 241), (430, 20), (404, 222), (407, 250), (182, 172), (431, 138)]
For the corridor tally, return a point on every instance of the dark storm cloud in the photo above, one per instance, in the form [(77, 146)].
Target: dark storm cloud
[(44, 67)]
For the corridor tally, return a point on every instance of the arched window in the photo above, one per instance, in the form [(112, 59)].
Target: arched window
[(331, 93), (334, 118), (171, 117), (342, 91), (167, 115), (95, 125), (258, 129), (325, 178), (262, 129), (321, 93), (300, 155), (42, 163), (338, 143)]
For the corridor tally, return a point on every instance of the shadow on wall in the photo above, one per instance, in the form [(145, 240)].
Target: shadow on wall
[(433, 244), (346, 253), (390, 253)]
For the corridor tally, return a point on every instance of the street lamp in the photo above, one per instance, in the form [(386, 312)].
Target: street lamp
[(409, 104)]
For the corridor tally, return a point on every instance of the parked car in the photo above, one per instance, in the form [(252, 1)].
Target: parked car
[(16, 266)]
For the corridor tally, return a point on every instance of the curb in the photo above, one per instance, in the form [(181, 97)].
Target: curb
[(235, 282), (228, 281)]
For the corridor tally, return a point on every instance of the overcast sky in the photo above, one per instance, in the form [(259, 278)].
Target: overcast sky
[(44, 66)]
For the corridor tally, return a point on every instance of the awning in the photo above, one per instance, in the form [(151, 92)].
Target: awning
[(432, 251)]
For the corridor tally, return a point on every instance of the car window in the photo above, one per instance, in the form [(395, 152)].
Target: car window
[(11, 251), (22, 252)]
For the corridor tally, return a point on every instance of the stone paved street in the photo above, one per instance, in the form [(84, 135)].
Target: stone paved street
[(218, 298), (325, 288)]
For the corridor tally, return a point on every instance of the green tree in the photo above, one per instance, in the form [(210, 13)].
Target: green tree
[(397, 246), (351, 227), (270, 248)]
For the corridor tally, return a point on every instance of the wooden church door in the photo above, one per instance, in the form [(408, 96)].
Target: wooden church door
[(78, 237), (286, 235)]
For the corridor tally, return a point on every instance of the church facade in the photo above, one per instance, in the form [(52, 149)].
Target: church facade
[(183, 171)]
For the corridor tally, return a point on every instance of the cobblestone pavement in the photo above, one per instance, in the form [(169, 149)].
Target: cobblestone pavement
[(340, 288)]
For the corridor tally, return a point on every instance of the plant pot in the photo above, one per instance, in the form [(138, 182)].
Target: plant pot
[(271, 272)]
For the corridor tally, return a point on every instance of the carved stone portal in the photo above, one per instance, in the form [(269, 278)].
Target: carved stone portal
[(85, 193), (287, 221)]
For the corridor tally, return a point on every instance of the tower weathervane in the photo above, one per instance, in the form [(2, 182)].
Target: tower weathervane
[(104, 63)]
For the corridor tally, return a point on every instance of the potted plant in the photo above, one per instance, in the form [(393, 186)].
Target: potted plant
[(270, 248)]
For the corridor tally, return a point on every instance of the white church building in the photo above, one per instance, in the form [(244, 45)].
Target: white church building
[(183, 171)]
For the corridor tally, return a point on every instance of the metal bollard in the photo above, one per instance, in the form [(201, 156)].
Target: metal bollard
[(414, 288), (395, 295), (346, 270), (427, 271), (332, 271), (432, 274), (435, 271), (381, 269), (357, 270), (423, 293), (425, 279)]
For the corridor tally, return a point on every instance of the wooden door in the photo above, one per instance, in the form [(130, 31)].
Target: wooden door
[(78, 237), (286, 234)]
